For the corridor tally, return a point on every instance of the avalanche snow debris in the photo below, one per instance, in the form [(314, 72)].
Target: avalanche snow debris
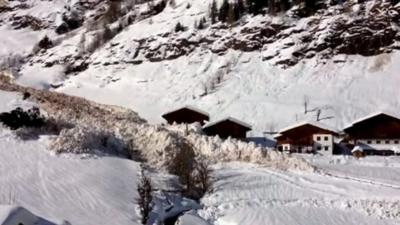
[(99, 127)]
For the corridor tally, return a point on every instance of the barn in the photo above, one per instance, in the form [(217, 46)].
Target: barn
[(227, 127), (376, 134), (307, 137), (186, 114)]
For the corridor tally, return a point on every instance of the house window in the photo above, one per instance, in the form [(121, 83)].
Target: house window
[(378, 141), (318, 138), (326, 138), (326, 148), (286, 147), (396, 141), (319, 148), (369, 142), (387, 142)]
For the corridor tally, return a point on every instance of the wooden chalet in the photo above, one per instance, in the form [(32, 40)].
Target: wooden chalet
[(376, 134), (186, 114), (228, 127), (306, 137)]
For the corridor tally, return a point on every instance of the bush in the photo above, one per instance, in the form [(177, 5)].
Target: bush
[(45, 43), (18, 118)]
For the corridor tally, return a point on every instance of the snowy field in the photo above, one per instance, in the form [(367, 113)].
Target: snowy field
[(71, 188), (246, 194), (371, 169), (81, 191)]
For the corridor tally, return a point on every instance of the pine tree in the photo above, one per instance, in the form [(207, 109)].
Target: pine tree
[(201, 23), (285, 5), (223, 11), (231, 14), (255, 7), (310, 6), (213, 12), (179, 27), (239, 9)]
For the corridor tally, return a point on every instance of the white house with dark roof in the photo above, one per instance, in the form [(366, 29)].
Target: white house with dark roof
[(307, 137), (376, 134)]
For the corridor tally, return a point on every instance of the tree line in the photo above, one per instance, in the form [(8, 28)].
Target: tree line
[(232, 11)]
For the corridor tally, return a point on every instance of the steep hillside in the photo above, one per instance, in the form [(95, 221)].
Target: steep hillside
[(261, 69)]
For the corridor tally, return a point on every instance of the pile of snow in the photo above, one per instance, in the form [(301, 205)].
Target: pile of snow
[(97, 127)]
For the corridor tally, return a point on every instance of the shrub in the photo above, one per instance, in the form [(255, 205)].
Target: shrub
[(18, 118), (45, 43)]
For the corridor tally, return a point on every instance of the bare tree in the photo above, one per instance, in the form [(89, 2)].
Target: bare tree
[(203, 177), (145, 197), (183, 163), (306, 101), (319, 118)]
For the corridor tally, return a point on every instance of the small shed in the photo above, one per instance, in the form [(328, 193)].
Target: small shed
[(228, 127), (186, 114)]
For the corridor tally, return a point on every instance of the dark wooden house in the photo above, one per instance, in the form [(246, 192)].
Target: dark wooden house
[(228, 127), (376, 134), (186, 114), (306, 137)]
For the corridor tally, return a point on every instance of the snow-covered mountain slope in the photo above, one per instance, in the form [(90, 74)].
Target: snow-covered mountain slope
[(342, 61)]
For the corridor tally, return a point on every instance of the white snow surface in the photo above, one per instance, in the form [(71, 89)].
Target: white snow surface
[(82, 191), (246, 194)]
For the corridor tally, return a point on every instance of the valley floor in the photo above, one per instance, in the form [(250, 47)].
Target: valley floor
[(247, 194), (102, 190), (82, 191)]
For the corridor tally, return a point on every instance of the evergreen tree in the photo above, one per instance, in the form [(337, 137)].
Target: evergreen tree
[(213, 12), (285, 5), (310, 6), (239, 9), (255, 7), (202, 23), (231, 14), (223, 11), (179, 27)]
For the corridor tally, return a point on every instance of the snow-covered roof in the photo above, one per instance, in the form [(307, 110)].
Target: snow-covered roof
[(16, 215), (313, 123), (228, 119), (357, 148), (188, 107), (369, 117)]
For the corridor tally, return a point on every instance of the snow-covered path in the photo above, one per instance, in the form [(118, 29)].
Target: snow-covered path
[(81, 191), (245, 194)]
